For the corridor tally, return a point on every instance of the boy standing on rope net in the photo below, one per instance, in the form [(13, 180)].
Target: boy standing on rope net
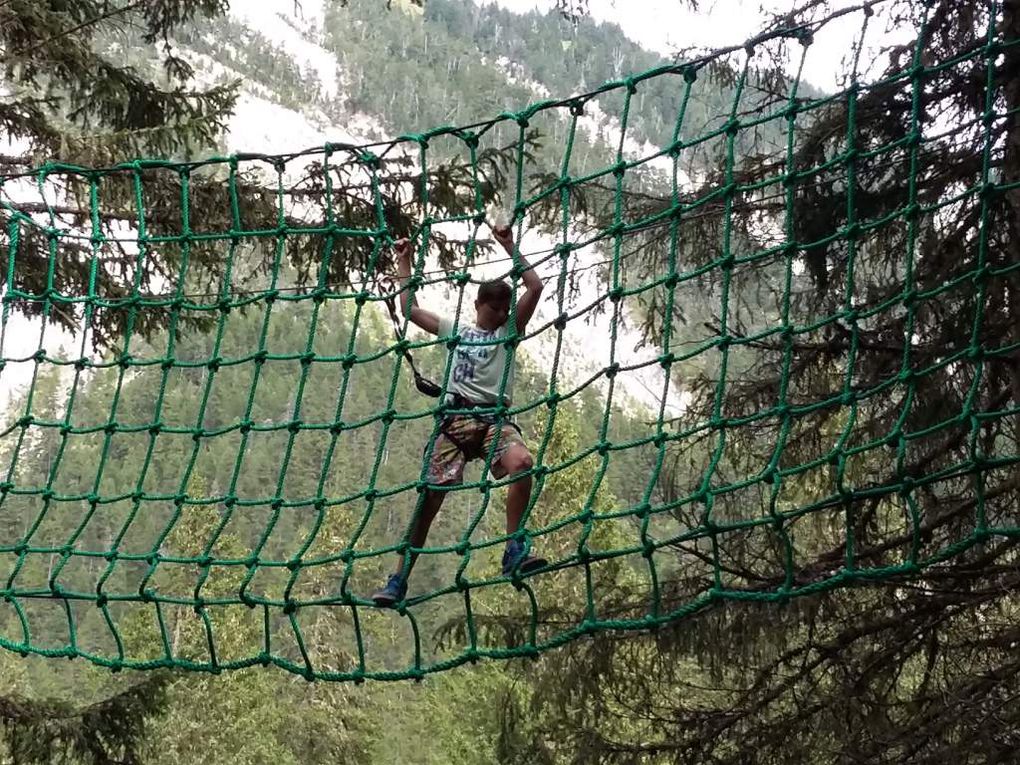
[(480, 361)]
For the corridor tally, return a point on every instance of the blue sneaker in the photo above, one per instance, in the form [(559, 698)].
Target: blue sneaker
[(516, 558), (392, 593)]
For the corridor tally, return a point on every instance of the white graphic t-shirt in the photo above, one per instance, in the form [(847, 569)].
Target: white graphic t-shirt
[(478, 362)]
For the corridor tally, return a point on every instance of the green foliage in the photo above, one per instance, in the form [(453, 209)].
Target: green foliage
[(114, 729), (73, 101), (831, 445)]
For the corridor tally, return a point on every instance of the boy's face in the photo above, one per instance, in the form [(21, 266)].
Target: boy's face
[(492, 314)]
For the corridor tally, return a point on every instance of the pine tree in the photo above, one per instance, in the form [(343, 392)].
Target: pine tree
[(913, 667), (113, 730), (70, 98)]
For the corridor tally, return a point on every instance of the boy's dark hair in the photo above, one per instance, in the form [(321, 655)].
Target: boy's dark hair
[(495, 291)]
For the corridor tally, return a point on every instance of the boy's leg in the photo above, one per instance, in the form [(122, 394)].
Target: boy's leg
[(419, 529), (517, 459), (446, 466), (396, 586), (513, 457)]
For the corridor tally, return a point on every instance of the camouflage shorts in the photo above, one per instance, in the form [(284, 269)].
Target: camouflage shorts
[(467, 438)]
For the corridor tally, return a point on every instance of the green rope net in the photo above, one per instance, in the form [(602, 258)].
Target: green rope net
[(198, 558)]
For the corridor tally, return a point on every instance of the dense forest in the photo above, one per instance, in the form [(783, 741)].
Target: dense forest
[(825, 539)]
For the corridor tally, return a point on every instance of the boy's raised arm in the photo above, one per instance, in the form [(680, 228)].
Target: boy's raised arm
[(427, 320), (527, 302)]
